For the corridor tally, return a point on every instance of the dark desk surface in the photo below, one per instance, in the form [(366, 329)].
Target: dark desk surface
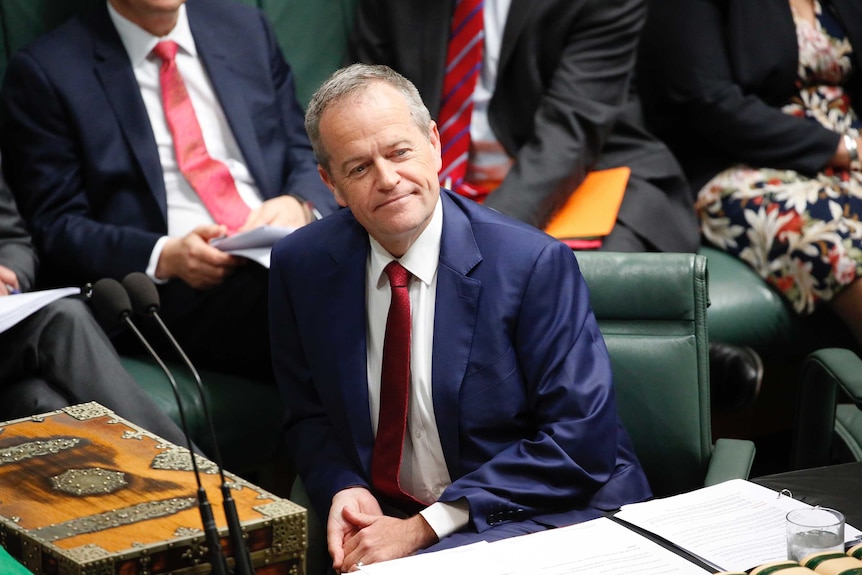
[(835, 486)]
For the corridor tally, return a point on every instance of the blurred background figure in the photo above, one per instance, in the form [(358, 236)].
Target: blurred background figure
[(759, 101)]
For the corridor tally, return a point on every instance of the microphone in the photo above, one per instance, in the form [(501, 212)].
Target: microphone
[(112, 305), (145, 301)]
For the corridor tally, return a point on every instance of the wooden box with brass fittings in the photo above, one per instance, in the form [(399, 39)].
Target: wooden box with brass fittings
[(84, 492)]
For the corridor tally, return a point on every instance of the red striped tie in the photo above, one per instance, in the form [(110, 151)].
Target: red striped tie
[(394, 392), (209, 178), (463, 64)]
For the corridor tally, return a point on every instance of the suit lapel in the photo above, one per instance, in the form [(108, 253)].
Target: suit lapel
[(454, 323), (346, 335), (516, 20), (115, 74), (226, 76)]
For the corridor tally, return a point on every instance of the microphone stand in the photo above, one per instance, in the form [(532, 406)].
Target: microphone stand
[(145, 297), (243, 565), (109, 293)]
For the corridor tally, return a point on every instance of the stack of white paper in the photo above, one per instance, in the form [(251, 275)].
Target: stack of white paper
[(14, 308)]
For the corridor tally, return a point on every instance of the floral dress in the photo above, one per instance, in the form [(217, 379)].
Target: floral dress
[(802, 235)]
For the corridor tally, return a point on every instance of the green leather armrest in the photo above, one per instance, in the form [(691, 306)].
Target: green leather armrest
[(823, 373), (731, 459)]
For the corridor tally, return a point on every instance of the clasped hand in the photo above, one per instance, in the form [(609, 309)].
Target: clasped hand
[(358, 531)]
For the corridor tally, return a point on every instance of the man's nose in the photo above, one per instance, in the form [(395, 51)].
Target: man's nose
[(387, 175)]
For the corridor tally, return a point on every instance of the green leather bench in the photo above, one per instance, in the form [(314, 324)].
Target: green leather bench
[(744, 310)]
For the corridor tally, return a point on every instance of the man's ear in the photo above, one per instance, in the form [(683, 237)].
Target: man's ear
[(436, 144), (327, 179)]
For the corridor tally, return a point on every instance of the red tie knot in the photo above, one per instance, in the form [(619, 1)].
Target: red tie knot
[(166, 50), (398, 276)]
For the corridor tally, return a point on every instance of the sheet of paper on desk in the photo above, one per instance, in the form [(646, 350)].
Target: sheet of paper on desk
[(735, 525), (255, 244), (598, 547), (14, 308)]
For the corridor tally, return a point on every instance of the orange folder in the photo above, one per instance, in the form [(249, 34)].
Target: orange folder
[(591, 210)]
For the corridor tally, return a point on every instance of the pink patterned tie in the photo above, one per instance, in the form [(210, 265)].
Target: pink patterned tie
[(463, 64), (209, 178), (394, 391)]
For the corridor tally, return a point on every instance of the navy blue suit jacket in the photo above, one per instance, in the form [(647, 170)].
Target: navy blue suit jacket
[(522, 386), (79, 152)]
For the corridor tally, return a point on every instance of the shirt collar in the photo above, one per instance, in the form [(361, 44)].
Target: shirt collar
[(139, 43), (421, 259)]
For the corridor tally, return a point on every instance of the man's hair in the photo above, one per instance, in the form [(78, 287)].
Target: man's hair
[(356, 79)]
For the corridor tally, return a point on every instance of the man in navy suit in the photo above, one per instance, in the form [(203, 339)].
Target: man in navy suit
[(90, 157), (511, 422)]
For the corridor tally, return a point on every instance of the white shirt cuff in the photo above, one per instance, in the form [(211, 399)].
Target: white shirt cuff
[(447, 518), (153, 264)]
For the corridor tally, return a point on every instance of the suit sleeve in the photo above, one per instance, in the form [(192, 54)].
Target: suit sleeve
[(16, 250), (577, 112), (686, 55), (303, 180), (569, 449)]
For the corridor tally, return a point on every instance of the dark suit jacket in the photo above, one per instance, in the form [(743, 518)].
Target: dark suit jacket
[(520, 374), (16, 249), (80, 155), (719, 72), (563, 104)]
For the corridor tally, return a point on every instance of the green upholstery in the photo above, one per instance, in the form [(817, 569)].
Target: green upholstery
[(651, 309), (745, 310), (313, 35), (825, 423), (246, 413)]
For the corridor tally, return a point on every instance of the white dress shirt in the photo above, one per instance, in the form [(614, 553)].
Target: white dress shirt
[(424, 474), (186, 211)]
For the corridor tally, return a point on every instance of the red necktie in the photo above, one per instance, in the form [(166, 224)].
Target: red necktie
[(463, 63), (209, 178), (394, 391)]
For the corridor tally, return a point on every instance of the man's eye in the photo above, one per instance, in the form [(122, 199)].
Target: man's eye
[(359, 169)]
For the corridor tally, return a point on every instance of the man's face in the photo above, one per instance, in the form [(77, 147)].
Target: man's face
[(381, 165), (151, 15)]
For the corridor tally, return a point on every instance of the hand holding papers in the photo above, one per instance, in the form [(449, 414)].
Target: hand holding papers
[(254, 244), (16, 307)]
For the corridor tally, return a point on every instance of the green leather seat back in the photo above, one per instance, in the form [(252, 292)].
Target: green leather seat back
[(652, 312), (246, 413), (24, 20), (313, 35)]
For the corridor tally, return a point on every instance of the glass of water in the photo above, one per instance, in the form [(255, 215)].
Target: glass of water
[(814, 530)]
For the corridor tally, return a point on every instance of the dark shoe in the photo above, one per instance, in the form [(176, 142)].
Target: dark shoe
[(735, 374)]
